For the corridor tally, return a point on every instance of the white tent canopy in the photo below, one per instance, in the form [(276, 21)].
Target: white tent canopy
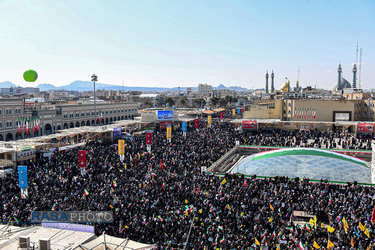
[(110, 243)]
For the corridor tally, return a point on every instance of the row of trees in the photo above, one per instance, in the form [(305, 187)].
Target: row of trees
[(184, 102)]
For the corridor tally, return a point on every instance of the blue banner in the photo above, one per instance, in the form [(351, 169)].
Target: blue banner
[(22, 177), (184, 126), (238, 110), (117, 132)]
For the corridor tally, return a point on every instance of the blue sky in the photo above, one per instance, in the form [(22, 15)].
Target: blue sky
[(184, 43)]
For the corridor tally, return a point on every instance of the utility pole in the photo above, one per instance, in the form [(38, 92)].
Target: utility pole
[(94, 79)]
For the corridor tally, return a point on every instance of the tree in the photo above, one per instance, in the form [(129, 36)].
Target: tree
[(183, 101), (223, 102), (214, 101), (200, 102), (170, 101)]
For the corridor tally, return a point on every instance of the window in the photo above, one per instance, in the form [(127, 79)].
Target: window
[(9, 124), (110, 111), (82, 114), (1, 125), (71, 115), (88, 114), (65, 116), (92, 113), (8, 111), (114, 111), (77, 114), (1, 112), (106, 111)]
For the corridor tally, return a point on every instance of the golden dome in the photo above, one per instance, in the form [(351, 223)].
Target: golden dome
[(284, 88)]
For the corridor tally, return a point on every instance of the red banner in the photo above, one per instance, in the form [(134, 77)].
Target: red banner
[(163, 125), (148, 138), (82, 158), (242, 109), (366, 127), (250, 124), (196, 123), (221, 115)]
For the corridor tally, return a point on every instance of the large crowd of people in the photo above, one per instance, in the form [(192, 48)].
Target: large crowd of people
[(161, 197)]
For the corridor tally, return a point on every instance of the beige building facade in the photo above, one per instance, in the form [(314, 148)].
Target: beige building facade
[(312, 110), (60, 116)]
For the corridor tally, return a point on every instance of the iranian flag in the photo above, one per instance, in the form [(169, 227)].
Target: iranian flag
[(301, 246), (27, 127), (86, 192), (19, 126), (54, 207), (114, 183)]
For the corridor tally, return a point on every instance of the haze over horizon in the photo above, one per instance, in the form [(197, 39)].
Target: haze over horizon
[(184, 43)]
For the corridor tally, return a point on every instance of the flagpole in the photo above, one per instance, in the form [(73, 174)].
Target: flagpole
[(191, 225)]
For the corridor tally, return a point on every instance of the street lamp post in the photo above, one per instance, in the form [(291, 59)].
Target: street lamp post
[(94, 78)]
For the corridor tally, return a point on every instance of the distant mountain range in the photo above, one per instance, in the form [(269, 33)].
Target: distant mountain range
[(88, 86)]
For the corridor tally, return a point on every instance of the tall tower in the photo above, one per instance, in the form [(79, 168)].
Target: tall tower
[(272, 83), (267, 82), (339, 70), (354, 85), (297, 84)]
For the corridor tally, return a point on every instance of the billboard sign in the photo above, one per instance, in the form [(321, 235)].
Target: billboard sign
[(148, 138), (165, 115), (121, 147), (196, 123), (249, 125), (82, 158), (163, 125), (169, 132), (366, 127), (22, 177), (184, 126), (117, 132)]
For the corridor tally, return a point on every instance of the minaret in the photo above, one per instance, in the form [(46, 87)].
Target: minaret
[(297, 84), (354, 85), (267, 82), (339, 70), (272, 83)]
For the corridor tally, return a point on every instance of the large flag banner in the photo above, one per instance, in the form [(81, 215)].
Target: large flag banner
[(196, 123), (82, 158), (238, 110), (148, 138), (366, 127), (249, 125), (121, 147), (209, 120), (221, 115), (242, 109), (184, 126), (22, 177), (233, 112), (169, 132)]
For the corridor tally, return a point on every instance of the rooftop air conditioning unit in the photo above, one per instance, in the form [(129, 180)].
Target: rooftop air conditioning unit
[(44, 244), (24, 242)]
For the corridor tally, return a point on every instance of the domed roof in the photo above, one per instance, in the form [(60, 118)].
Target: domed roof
[(284, 87), (311, 163)]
